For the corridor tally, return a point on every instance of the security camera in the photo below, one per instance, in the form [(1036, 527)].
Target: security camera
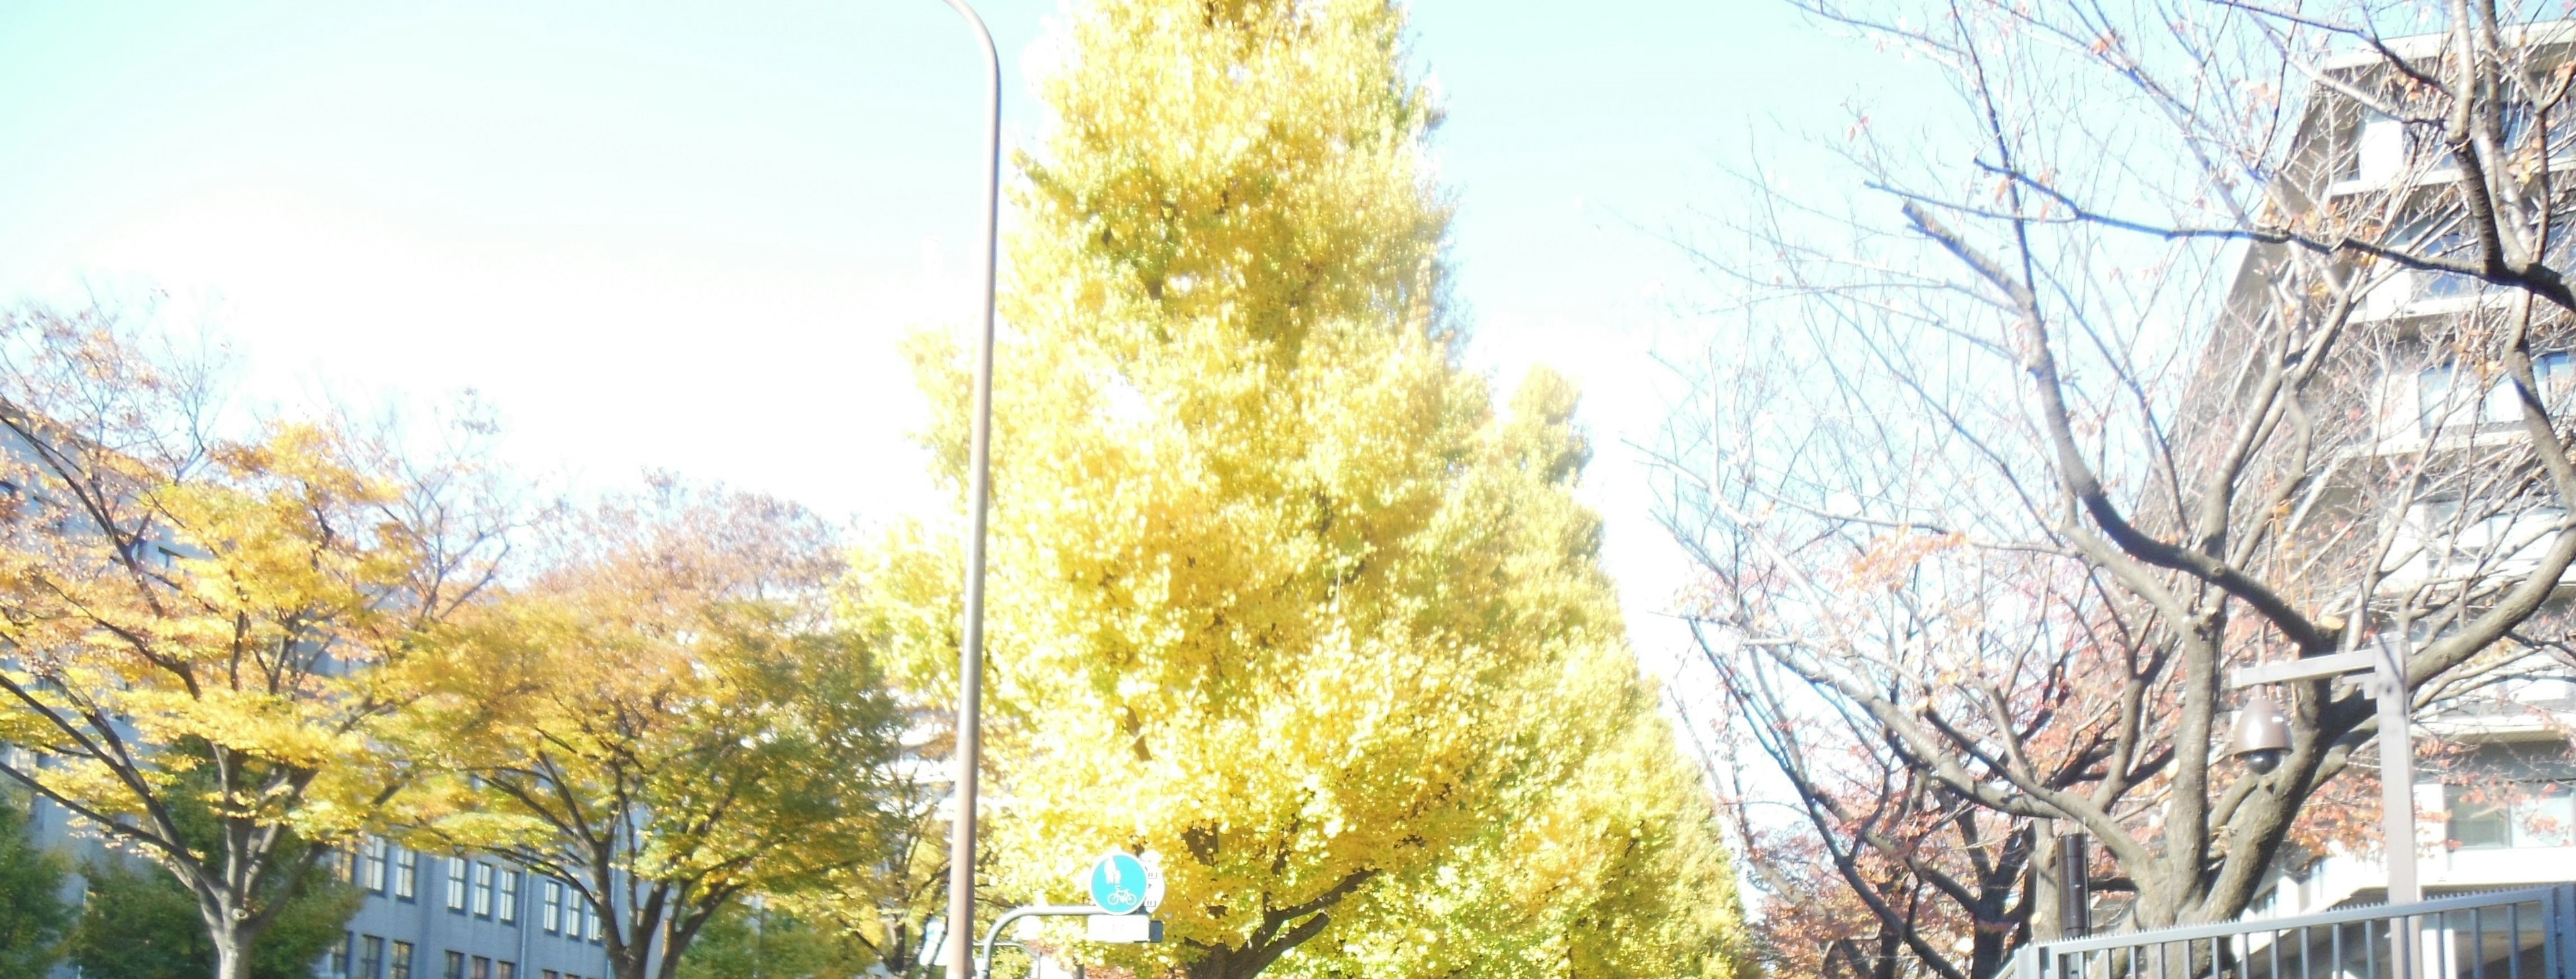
[(2263, 760), (2262, 734)]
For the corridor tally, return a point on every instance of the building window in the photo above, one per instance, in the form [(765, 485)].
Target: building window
[(550, 911), (340, 953), (2520, 815), (456, 884), (2451, 243), (371, 957), (400, 968), (375, 866), (589, 920), (455, 965), (551, 974), (505, 970), (2379, 150), (482, 968), (509, 898), (482, 890), (406, 873), (2448, 397)]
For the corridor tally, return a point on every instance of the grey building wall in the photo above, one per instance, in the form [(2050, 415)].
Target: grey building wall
[(502, 923), (463, 917)]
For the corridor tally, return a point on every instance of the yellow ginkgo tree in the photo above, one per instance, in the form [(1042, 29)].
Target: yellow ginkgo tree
[(203, 637), (1616, 868), (1277, 591)]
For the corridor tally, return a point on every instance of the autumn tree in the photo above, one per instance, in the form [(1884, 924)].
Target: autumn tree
[(140, 923), (1618, 868), (760, 939), (886, 915), (203, 614), (668, 719), (2197, 335), (1266, 560), (33, 916)]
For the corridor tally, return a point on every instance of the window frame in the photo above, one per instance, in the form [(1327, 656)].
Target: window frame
[(505, 904), (2439, 409), (376, 861), (456, 884), (482, 889), (406, 874), (2507, 824)]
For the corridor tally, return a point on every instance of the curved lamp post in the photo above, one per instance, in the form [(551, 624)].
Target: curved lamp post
[(959, 953)]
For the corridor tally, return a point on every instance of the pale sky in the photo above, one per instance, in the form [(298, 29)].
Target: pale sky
[(690, 235)]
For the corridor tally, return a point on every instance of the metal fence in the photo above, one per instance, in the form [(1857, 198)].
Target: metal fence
[(2515, 934)]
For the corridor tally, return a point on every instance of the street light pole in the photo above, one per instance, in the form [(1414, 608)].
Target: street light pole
[(979, 491)]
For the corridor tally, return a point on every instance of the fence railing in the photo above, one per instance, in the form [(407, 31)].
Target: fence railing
[(2513, 934)]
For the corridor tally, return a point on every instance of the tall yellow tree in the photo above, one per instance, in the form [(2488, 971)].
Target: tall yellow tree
[(202, 637), (1277, 590)]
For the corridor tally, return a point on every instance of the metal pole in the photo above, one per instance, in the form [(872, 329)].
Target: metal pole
[(2397, 805), (2396, 773), (979, 491), (2074, 887)]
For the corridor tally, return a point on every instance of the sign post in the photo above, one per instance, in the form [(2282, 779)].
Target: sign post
[(1125, 890)]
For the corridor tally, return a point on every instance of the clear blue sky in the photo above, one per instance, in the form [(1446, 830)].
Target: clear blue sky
[(689, 235)]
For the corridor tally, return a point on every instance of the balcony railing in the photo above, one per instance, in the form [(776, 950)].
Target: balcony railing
[(2515, 934)]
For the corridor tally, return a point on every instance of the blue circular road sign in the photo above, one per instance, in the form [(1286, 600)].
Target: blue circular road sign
[(1118, 883)]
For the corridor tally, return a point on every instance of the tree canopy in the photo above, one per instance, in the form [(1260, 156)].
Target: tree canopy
[(2164, 343), (1277, 592), (33, 917), (198, 617), (668, 718)]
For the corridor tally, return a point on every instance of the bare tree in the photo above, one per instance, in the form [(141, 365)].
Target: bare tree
[(2199, 334)]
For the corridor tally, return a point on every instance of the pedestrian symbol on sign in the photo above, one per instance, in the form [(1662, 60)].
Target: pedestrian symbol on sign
[(1118, 883)]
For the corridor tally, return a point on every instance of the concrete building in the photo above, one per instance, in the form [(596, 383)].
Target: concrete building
[(434, 916), (424, 915), (2496, 779)]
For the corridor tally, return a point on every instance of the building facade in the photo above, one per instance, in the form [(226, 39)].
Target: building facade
[(422, 915), (2495, 792)]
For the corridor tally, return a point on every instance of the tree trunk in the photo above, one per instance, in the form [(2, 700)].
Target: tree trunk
[(232, 952)]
